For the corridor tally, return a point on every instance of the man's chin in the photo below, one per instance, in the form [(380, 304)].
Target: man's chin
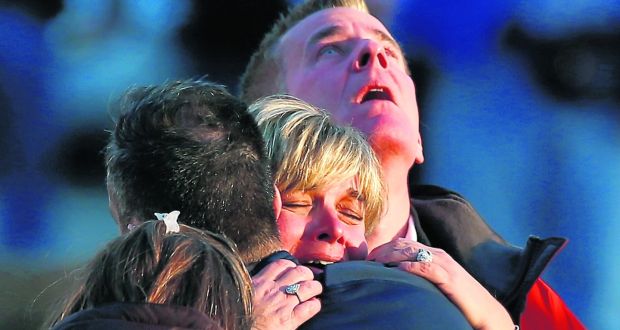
[(388, 125)]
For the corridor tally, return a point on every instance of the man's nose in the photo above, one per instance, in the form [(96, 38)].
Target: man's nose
[(370, 53), (329, 228)]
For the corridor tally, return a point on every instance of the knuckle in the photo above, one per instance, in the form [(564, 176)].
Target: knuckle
[(401, 243), (260, 287), (283, 263), (410, 251), (307, 309), (313, 287), (410, 266), (304, 272), (425, 267), (318, 286)]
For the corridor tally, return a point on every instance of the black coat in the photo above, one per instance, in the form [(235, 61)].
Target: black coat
[(444, 219), (368, 295)]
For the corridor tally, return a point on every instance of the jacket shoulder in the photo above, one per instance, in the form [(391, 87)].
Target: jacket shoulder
[(446, 220), (427, 192)]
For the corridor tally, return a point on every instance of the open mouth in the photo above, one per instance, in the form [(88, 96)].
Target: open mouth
[(320, 264), (375, 92)]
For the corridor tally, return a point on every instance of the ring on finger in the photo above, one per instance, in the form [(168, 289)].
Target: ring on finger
[(424, 255), (293, 289)]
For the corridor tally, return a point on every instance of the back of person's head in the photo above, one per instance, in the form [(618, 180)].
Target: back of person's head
[(308, 151), (263, 74), (190, 268), (193, 147)]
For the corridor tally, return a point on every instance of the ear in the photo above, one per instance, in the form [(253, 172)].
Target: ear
[(277, 201), (123, 226), (419, 155), (114, 210), (131, 224)]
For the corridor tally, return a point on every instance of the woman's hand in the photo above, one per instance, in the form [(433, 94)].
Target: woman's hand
[(480, 309), (276, 309)]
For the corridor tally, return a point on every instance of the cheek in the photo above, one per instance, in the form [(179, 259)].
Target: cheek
[(291, 228), (410, 98), (320, 87), (358, 249), (357, 234)]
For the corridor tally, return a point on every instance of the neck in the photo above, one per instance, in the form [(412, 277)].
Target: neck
[(258, 252), (394, 222)]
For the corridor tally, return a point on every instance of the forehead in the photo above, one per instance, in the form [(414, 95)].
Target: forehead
[(351, 21), (334, 186)]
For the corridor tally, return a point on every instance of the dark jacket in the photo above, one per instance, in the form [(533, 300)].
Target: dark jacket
[(368, 295), (445, 220), (137, 316)]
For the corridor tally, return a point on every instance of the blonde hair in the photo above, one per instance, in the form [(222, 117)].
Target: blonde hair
[(263, 72), (308, 151), (189, 268)]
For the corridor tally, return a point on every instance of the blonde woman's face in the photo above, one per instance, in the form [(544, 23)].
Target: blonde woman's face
[(324, 225)]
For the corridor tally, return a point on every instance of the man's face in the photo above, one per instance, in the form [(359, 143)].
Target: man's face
[(345, 61), (324, 225)]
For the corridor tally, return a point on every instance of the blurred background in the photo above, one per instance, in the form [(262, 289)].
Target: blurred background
[(519, 101)]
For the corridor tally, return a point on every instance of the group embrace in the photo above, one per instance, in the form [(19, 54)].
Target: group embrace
[(289, 206)]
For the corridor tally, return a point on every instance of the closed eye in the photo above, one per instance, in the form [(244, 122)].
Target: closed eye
[(353, 217), (392, 53), (296, 205)]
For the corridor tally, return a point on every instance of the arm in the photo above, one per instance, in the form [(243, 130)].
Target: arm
[(480, 309), (273, 308)]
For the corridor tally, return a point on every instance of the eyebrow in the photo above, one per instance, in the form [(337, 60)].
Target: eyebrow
[(387, 38), (356, 194), (334, 30), (324, 33)]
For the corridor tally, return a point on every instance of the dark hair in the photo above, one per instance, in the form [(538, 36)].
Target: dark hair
[(189, 268), (193, 147)]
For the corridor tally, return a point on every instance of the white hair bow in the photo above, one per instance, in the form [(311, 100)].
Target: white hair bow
[(170, 219)]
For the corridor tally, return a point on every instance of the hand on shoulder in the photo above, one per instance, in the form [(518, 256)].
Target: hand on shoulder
[(279, 303), (480, 308)]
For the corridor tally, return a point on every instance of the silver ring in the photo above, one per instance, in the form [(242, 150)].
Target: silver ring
[(424, 255), (292, 290)]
